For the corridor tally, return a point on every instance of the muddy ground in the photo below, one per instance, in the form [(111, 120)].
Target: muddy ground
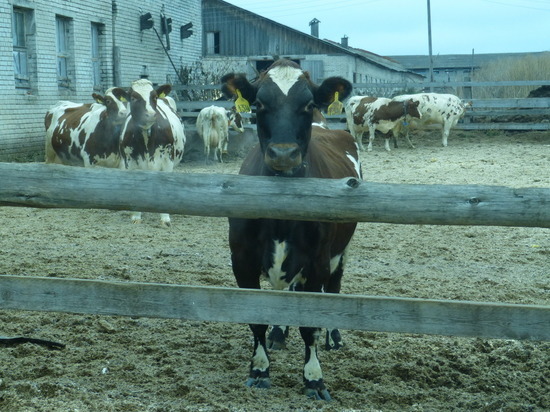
[(138, 364)]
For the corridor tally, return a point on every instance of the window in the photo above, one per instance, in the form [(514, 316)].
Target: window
[(20, 49), (97, 30), (63, 51), (212, 43)]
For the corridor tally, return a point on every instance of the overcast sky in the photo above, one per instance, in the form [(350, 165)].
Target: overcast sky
[(400, 27)]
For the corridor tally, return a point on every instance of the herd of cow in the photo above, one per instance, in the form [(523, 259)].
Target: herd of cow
[(139, 129), (366, 113)]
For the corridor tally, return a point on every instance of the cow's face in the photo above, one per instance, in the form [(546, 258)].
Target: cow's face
[(411, 108), (285, 100), (143, 103), (235, 120), (116, 103)]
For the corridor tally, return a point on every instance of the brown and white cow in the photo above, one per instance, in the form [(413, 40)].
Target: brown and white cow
[(295, 255), (213, 124), (152, 137), (87, 134), (377, 113), (435, 108)]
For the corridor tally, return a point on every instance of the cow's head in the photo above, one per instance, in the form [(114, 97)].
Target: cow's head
[(285, 100), (143, 101), (235, 120), (411, 108), (116, 102)]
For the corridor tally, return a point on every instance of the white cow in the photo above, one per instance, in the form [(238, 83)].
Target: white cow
[(213, 127), (444, 109), (376, 113)]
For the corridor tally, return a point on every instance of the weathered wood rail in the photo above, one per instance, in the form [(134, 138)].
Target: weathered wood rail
[(54, 186), (375, 313)]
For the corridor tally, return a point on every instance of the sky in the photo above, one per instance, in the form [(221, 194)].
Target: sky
[(400, 27)]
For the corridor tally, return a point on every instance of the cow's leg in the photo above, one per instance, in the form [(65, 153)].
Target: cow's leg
[(313, 375), (333, 338), (409, 140), (136, 217), (276, 340), (165, 219), (246, 265), (206, 153), (387, 143), (372, 130), (358, 136), (446, 130), (259, 365)]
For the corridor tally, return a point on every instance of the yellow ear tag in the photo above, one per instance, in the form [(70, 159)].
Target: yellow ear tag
[(123, 100), (162, 95), (335, 107), (241, 104)]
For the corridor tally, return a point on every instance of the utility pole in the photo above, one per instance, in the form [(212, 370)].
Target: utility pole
[(430, 47)]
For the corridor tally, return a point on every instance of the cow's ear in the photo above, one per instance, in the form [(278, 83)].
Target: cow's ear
[(120, 94), (324, 94), (232, 82), (98, 98), (164, 90)]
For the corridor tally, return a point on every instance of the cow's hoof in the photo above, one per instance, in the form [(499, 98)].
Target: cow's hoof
[(165, 224), (262, 383), (318, 394)]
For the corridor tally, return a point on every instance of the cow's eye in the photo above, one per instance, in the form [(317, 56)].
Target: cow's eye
[(310, 106)]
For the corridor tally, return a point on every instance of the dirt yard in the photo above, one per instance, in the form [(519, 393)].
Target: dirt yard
[(138, 364)]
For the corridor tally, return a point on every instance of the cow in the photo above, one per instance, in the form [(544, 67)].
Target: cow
[(87, 134), (213, 127), (377, 113), (435, 108), (295, 255), (153, 137)]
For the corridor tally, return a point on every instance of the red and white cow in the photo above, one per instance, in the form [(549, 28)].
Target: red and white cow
[(87, 134), (435, 108), (377, 113), (295, 255), (213, 124), (152, 137)]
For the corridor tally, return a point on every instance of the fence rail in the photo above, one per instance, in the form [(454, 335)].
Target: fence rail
[(55, 186), (476, 118), (374, 313)]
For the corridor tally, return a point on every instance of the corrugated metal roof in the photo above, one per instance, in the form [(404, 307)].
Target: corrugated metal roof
[(455, 61)]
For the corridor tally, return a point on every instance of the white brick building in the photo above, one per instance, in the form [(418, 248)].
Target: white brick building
[(65, 50)]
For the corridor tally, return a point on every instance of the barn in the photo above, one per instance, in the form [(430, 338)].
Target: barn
[(251, 43)]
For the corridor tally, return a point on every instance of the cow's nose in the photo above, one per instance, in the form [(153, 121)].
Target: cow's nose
[(283, 157)]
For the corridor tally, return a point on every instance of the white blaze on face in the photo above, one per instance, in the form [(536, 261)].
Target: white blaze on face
[(122, 108), (144, 87), (285, 77)]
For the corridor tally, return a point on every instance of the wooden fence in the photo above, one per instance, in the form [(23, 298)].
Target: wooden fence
[(52, 186), (484, 114)]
